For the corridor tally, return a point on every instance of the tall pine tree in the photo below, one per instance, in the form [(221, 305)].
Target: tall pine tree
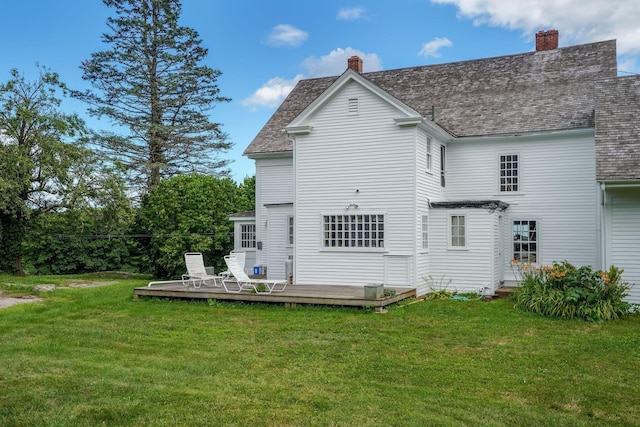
[(152, 84)]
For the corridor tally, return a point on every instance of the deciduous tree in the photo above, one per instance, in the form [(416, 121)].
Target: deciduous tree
[(44, 164), (188, 213)]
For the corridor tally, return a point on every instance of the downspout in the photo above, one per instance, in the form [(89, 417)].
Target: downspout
[(292, 138), (603, 226)]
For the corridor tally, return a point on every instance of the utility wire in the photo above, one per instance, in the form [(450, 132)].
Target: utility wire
[(124, 236)]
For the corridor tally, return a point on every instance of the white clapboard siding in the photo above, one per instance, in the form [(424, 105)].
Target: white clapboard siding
[(465, 270), (274, 184), (558, 189), (428, 181), (398, 270), (428, 188), (625, 235), (362, 159), (279, 250)]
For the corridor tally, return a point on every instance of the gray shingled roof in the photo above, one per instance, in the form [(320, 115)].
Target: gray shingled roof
[(618, 129), (535, 91)]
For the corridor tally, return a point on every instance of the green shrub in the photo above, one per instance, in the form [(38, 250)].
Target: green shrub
[(568, 292), (78, 241), (190, 213)]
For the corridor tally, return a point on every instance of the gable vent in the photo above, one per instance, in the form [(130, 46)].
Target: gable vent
[(353, 105)]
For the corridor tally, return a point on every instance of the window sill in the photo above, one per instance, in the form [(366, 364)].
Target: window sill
[(509, 194)]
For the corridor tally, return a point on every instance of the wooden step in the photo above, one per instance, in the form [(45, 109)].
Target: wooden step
[(505, 291)]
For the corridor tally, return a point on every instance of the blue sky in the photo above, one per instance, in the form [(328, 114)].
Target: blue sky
[(264, 47)]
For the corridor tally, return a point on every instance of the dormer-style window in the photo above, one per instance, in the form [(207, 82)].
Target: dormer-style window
[(353, 106)]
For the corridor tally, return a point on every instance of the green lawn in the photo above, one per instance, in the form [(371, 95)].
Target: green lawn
[(95, 356)]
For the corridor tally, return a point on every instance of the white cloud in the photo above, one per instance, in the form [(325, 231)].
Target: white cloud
[(271, 94), (335, 62), (286, 35), (351, 14), (578, 21), (433, 47)]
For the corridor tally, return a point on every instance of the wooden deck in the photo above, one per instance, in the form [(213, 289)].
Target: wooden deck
[(292, 295)]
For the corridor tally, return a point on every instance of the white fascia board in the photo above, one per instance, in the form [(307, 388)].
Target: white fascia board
[(426, 125), (274, 155), (298, 130), (242, 218), (527, 136), (610, 185)]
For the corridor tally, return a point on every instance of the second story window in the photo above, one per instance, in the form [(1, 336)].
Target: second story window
[(429, 154), (442, 164), (509, 173)]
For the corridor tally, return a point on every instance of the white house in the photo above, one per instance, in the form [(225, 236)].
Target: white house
[(441, 175), (617, 135)]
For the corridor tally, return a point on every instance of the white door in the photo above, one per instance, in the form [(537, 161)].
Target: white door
[(280, 247)]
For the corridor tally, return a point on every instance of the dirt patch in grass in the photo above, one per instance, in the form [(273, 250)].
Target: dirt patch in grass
[(85, 284), (9, 301)]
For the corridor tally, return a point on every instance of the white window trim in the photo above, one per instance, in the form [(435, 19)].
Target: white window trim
[(538, 238), (450, 234), (429, 154), (291, 232), (241, 239), (423, 248), (324, 248), (498, 170), (443, 166)]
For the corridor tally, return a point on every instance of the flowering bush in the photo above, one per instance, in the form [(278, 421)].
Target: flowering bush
[(565, 291)]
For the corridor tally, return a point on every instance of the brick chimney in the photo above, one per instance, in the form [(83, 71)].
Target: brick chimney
[(355, 63), (546, 40)]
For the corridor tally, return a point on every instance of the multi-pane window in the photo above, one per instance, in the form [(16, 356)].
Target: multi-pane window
[(509, 173), (290, 231), (425, 231), (429, 154), (353, 231), (525, 241), (248, 235), (458, 231)]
